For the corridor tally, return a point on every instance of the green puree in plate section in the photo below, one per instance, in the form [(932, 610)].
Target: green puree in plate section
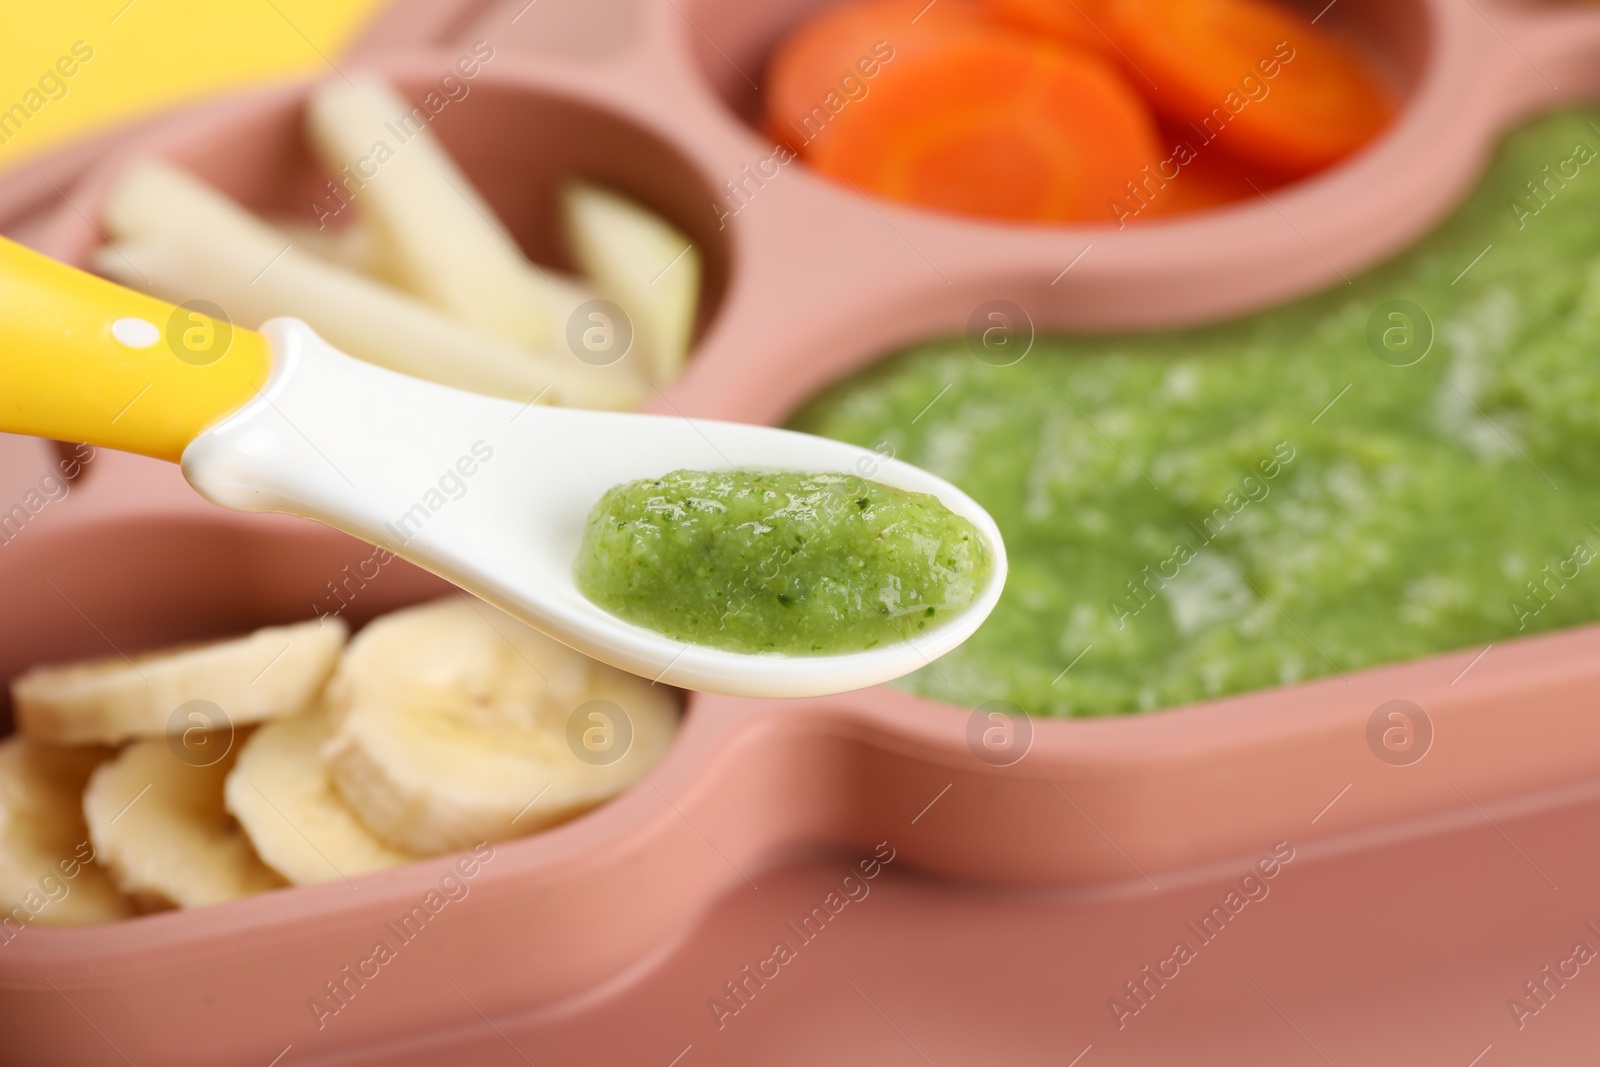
[(804, 564), (1396, 467)]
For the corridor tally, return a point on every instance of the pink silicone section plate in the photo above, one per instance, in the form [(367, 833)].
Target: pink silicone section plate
[(1428, 882)]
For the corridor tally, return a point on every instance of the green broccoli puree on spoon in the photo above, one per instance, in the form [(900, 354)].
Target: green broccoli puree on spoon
[(804, 564)]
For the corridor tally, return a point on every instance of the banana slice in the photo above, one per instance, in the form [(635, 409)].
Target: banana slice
[(455, 724), (282, 796), (47, 870), (271, 673), (158, 824)]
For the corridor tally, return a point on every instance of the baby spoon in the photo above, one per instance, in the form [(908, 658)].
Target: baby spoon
[(491, 494)]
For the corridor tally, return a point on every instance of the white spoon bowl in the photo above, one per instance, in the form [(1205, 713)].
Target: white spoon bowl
[(493, 495)]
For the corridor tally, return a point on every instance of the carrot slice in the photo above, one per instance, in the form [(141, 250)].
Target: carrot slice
[(1071, 22), (835, 58), (995, 124), (1259, 80), (1193, 176), (1209, 181)]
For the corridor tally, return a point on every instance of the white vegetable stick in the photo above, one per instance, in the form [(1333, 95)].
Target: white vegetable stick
[(152, 198), (442, 240), (349, 246), (644, 265), (154, 204), (253, 281)]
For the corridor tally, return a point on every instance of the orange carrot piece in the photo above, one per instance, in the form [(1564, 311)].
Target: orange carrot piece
[(1193, 176), (998, 125), (1079, 23), (1257, 79), (835, 58), (1209, 182)]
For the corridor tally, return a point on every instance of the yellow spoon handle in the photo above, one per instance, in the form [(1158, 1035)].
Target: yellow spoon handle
[(83, 359)]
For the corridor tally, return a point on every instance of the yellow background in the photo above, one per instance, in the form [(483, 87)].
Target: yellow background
[(158, 53)]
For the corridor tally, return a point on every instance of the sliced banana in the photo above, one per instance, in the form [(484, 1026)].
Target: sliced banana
[(158, 824), (47, 870), (271, 673), (455, 723), (300, 826)]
